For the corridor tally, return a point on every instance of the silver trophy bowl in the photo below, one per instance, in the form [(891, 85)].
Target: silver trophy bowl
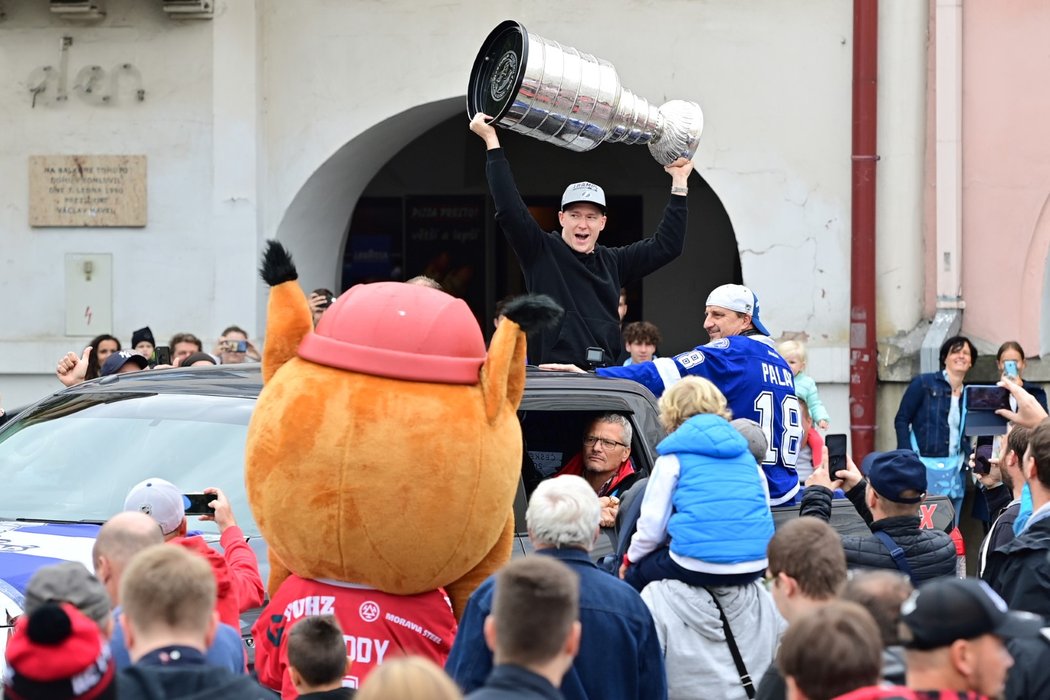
[(554, 93)]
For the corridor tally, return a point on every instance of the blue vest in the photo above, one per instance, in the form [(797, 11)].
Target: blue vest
[(721, 505)]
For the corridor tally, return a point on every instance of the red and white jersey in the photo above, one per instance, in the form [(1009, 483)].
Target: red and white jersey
[(377, 626)]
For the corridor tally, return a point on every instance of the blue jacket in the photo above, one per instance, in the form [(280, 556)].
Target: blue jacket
[(924, 411), (757, 384), (619, 656), (721, 505)]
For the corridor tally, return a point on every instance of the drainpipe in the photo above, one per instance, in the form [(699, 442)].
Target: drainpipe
[(948, 156), (863, 360)]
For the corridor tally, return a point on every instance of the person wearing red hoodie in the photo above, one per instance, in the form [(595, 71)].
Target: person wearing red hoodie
[(236, 570)]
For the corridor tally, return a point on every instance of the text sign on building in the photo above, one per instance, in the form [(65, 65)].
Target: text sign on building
[(87, 190)]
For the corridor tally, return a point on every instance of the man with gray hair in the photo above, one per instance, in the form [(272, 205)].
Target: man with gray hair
[(562, 519), (604, 460)]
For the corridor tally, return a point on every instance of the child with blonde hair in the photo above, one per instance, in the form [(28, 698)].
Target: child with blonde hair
[(794, 353), (705, 517)]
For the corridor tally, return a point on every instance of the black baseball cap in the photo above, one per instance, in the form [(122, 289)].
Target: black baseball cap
[(894, 473), (118, 359), (944, 610)]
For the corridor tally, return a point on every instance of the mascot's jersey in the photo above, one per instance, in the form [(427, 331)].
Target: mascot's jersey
[(377, 626), (757, 383)]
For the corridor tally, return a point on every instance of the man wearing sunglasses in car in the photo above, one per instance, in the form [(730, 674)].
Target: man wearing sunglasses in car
[(605, 462)]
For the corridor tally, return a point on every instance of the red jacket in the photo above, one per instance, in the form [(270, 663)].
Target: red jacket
[(377, 626), (236, 572), (610, 488)]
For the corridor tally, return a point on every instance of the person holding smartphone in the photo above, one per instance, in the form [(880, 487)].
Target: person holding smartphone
[(1010, 359), (234, 347), (929, 420)]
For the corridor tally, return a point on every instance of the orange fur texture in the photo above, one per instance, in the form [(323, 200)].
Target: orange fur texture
[(399, 485)]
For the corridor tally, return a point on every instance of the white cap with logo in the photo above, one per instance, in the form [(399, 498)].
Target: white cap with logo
[(737, 297), (160, 500), (583, 192)]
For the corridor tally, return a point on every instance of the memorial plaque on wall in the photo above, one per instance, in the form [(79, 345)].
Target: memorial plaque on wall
[(87, 190), (445, 239)]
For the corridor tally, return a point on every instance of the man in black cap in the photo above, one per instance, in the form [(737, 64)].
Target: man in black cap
[(123, 362), (954, 633), (889, 503)]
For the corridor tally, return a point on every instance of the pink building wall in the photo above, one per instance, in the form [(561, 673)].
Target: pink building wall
[(1006, 171)]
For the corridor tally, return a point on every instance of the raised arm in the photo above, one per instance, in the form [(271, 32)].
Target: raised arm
[(650, 254), (522, 231)]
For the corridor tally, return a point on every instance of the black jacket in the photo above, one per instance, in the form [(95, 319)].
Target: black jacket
[(587, 286), (930, 553), (508, 682), (1029, 677), (1019, 570), (187, 682), (1001, 533)]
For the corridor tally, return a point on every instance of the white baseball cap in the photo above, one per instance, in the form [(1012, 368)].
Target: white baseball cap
[(583, 192), (737, 297), (160, 500)]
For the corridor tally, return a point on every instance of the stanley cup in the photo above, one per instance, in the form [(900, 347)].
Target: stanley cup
[(554, 93)]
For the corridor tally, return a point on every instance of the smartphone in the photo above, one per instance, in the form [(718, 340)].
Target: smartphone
[(236, 345), (198, 503), (983, 454), (1010, 368), (836, 443), (986, 398), (161, 355)]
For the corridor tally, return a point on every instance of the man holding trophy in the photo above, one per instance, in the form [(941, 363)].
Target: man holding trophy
[(582, 276)]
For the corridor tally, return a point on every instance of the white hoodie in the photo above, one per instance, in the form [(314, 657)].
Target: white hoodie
[(696, 655)]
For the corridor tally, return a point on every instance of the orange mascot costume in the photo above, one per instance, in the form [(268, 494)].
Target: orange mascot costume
[(382, 458)]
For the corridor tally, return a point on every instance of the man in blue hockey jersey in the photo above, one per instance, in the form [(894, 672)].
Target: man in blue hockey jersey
[(743, 363)]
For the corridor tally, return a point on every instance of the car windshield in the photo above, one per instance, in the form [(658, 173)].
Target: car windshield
[(76, 456)]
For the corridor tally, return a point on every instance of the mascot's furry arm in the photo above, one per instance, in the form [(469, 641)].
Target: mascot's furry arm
[(288, 312)]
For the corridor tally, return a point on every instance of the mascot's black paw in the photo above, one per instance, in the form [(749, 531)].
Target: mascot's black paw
[(277, 265), (533, 312)]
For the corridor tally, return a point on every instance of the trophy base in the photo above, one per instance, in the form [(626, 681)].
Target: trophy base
[(498, 71)]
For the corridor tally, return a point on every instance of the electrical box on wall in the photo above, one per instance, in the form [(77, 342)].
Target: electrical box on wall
[(89, 294)]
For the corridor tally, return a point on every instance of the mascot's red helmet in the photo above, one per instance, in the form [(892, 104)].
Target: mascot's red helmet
[(400, 331)]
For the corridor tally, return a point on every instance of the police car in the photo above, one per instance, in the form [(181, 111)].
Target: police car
[(67, 462)]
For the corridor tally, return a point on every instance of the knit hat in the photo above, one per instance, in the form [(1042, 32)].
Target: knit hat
[(944, 610), (737, 297), (57, 653), (160, 500), (400, 331), (120, 358), (68, 582), (757, 443), (142, 334), (894, 473)]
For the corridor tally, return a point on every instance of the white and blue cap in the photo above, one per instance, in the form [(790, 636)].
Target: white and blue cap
[(737, 297), (160, 500), (583, 192)]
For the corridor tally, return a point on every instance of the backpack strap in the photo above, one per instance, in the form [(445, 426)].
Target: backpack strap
[(898, 555), (738, 660)]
